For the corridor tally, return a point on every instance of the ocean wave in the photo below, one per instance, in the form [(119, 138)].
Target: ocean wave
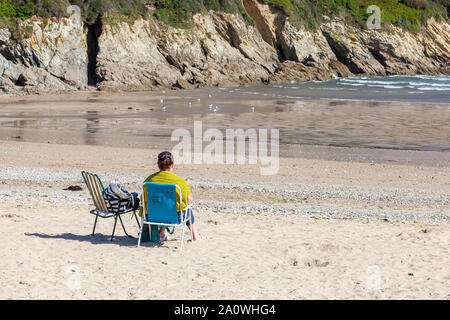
[(440, 78), (430, 84), (388, 86), (251, 92), (393, 87), (426, 77), (396, 79), (353, 84), (433, 89), (296, 97), (370, 81)]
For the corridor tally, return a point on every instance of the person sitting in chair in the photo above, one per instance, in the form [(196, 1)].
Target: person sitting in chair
[(166, 175)]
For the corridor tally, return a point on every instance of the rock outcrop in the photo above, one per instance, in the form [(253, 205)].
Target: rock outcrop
[(220, 49), (53, 57)]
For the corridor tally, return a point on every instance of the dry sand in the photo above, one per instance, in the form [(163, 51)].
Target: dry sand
[(361, 248)]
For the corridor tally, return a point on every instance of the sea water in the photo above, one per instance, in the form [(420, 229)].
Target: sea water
[(419, 88)]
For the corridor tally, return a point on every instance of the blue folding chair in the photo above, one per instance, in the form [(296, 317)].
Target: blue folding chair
[(160, 208)]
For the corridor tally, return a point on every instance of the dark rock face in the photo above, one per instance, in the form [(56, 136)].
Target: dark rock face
[(219, 50), (93, 33)]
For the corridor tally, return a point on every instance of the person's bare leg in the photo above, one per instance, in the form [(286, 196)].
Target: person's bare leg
[(162, 233), (195, 233)]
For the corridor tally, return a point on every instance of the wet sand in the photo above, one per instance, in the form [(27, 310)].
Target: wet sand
[(147, 119)]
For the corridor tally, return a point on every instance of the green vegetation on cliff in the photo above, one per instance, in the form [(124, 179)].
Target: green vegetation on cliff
[(409, 14), (178, 12)]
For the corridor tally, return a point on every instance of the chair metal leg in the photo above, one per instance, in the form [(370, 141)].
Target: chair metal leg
[(190, 222), (182, 236), (137, 220), (140, 232), (114, 229), (95, 223), (123, 227)]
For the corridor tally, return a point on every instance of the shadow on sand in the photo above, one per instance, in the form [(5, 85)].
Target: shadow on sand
[(122, 241)]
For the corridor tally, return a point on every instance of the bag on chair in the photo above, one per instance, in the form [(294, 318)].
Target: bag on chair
[(118, 199)]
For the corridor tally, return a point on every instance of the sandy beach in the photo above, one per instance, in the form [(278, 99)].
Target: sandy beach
[(320, 229)]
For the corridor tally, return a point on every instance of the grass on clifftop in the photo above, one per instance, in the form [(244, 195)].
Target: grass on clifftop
[(408, 14)]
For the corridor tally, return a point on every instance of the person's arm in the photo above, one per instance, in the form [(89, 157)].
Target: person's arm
[(190, 198)]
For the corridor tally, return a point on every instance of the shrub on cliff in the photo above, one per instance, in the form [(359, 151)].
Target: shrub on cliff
[(19, 9), (418, 4)]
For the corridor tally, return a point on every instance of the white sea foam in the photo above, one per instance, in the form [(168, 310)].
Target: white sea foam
[(433, 89), (430, 84), (380, 86), (399, 82), (368, 81), (353, 84), (393, 87), (441, 78)]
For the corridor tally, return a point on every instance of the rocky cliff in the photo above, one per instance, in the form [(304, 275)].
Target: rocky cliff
[(219, 49)]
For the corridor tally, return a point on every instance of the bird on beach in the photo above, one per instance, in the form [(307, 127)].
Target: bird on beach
[(253, 109), (161, 100)]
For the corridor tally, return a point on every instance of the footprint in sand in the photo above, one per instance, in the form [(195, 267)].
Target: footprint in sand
[(317, 263)]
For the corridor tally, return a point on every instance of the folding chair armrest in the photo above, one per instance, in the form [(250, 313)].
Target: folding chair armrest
[(185, 211)]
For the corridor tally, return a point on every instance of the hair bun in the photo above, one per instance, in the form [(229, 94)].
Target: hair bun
[(165, 160)]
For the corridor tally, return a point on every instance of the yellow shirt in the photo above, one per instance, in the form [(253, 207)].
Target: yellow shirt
[(170, 178)]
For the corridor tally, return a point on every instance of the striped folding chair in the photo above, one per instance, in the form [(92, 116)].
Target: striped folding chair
[(103, 208), (160, 208)]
